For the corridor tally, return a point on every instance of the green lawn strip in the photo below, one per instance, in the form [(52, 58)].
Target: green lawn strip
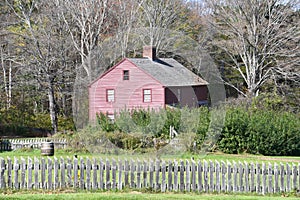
[(186, 156), (135, 195)]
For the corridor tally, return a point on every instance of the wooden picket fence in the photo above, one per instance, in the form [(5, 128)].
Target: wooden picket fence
[(159, 175), (13, 144)]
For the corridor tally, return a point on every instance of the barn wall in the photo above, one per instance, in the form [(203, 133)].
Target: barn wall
[(128, 93)]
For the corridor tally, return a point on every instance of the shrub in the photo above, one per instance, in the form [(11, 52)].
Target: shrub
[(263, 131), (234, 137), (274, 133)]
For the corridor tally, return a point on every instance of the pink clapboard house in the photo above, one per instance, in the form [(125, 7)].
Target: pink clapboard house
[(148, 83)]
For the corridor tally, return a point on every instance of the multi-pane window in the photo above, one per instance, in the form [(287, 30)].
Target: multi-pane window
[(147, 95), (110, 95), (125, 74)]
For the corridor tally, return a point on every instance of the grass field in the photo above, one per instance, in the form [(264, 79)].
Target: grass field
[(210, 156), (134, 195)]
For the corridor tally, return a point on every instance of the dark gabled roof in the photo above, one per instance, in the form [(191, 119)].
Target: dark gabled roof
[(168, 71)]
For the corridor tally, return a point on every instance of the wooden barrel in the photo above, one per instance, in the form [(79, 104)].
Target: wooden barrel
[(47, 149)]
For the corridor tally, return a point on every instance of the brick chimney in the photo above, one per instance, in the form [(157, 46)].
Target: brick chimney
[(149, 52)]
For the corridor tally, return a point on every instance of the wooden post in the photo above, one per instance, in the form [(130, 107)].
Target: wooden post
[(229, 182), (114, 174), (132, 170), (9, 172), (43, 173), (2, 172), (211, 176), (223, 171), (200, 170), (23, 173), (246, 188), (282, 173), (29, 175), (175, 187), (88, 174), (50, 167), (241, 176), (120, 182), (276, 180), (69, 172), (145, 169), (94, 168), (258, 178), (187, 177), (264, 179), (107, 171), (16, 173), (36, 173), (234, 177), (62, 173), (75, 172), (126, 173), (56, 174), (81, 176), (138, 174), (157, 170), (170, 172), (288, 177), (163, 177), (181, 176), (193, 176), (252, 175), (294, 174), (101, 175), (205, 176), (218, 186), (270, 178)]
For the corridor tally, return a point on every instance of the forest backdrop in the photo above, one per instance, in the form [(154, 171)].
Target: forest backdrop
[(51, 50)]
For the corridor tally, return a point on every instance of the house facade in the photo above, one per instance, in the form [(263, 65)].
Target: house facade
[(146, 82)]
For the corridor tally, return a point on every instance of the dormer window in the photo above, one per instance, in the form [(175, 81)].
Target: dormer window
[(125, 74)]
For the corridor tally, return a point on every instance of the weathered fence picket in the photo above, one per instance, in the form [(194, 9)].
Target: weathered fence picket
[(157, 170), (164, 176), (229, 183), (200, 169), (205, 176), (181, 187), (175, 187), (170, 172), (120, 181), (223, 172)]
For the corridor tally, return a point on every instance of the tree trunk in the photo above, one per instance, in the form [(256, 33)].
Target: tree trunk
[(52, 107)]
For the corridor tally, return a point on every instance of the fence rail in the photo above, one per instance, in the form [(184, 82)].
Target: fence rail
[(184, 176), (13, 144)]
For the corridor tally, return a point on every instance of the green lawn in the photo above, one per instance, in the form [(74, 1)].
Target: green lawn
[(211, 156), (135, 195)]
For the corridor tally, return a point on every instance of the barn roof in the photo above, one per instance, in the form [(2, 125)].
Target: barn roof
[(168, 71)]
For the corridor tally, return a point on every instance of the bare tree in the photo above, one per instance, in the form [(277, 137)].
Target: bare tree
[(255, 35), (45, 45), (159, 17), (87, 23), (6, 55)]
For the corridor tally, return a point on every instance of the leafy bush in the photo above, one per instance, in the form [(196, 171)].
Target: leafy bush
[(274, 133), (252, 129), (266, 132), (105, 123), (234, 138)]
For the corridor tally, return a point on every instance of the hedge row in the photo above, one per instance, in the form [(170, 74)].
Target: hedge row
[(251, 130), (265, 132)]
